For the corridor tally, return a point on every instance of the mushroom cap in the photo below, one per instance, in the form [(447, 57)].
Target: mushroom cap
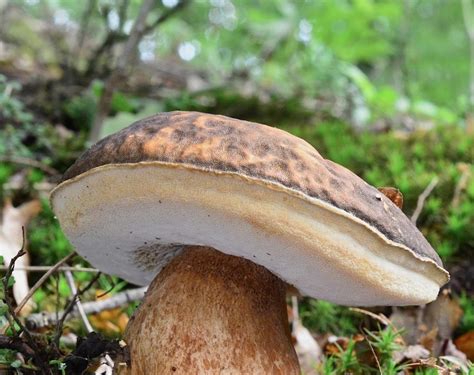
[(136, 198)]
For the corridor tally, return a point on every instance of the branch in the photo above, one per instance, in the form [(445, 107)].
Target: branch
[(17, 344), (69, 308), (29, 162), (40, 320), (53, 268), (84, 25), (41, 281), (139, 30), (80, 309), (462, 184), (422, 198), (13, 318), (468, 16), (163, 17)]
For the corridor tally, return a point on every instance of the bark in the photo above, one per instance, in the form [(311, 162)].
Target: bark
[(208, 312)]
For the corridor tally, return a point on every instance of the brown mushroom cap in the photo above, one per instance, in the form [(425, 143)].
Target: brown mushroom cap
[(187, 178)]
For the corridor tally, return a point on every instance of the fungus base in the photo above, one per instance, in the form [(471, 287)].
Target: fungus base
[(208, 312)]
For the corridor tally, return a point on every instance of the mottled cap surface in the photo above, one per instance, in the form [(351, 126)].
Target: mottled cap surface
[(223, 144)]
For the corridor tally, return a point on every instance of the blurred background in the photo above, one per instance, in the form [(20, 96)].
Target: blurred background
[(383, 87)]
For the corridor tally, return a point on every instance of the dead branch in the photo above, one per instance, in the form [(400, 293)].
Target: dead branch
[(17, 344), (468, 15), (70, 306), (41, 281), (462, 183), (380, 317), (163, 17), (40, 320), (139, 30), (80, 309), (13, 318), (11, 239), (53, 268), (422, 198), (30, 163)]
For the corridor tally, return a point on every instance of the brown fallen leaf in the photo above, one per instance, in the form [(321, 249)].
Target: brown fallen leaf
[(465, 344), (393, 194), (114, 320)]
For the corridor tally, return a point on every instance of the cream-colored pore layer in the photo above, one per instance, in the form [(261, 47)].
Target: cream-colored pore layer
[(111, 211)]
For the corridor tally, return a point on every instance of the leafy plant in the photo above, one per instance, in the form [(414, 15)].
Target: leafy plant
[(323, 316)]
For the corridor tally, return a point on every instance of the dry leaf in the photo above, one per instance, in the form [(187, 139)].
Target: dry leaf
[(114, 320), (465, 344), (393, 194)]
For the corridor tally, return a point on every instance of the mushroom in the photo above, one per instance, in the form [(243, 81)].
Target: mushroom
[(220, 215)]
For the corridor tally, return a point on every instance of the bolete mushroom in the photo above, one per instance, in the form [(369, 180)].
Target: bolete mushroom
[(220, 215)]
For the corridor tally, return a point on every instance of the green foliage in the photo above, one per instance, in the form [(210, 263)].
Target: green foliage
[(323, 316), (344, 361), (385, 345), (409, 161), (47, 242), (357, 357), (467, 305), (80, 111)]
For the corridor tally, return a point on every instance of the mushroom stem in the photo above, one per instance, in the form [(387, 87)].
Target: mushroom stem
[(208, 312)]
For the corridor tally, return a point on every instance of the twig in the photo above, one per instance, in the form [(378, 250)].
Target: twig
[(163, 17), (373, 351), (69, 308), (56, 269), (80, 309), (139, 30), (468, 16), (380, 317), (29, 162), (462, 184), (17, 344), (40, 320), (12, 316), (41, 281), (6, 280), (422, 198)]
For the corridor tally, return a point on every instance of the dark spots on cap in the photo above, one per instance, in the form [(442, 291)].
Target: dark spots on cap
[(330, 168), (317, 179), (233, 148), (300, 166), (281, 166), (261, 149), (336, 183), (150, 130), (178, 135)]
